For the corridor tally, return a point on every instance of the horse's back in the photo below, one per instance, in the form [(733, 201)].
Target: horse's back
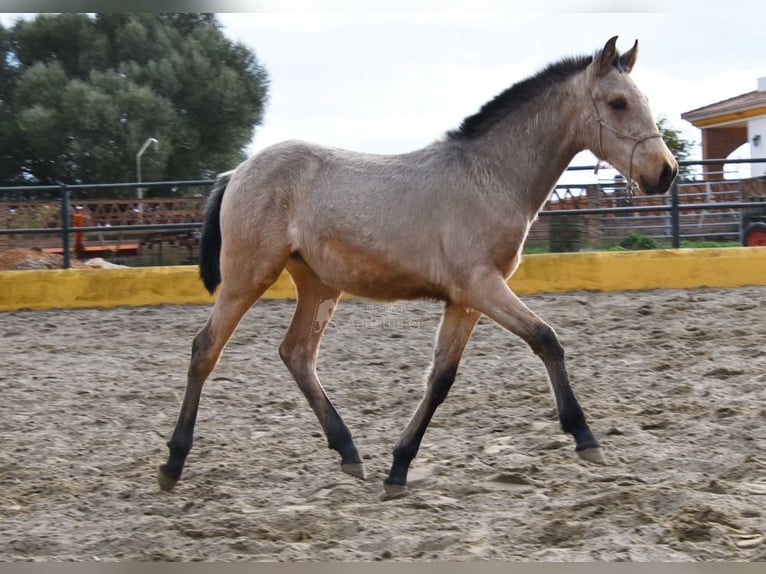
[(263, 188), (299, 178), (283, 163)]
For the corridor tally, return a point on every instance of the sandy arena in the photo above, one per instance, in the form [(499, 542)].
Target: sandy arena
[(673, 383)]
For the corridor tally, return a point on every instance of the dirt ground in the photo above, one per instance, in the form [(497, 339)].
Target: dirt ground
[(26, 258), (673, 383)]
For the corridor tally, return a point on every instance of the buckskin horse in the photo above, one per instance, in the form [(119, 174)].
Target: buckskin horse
[(444, 222)]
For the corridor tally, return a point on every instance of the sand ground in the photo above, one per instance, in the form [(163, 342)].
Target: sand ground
[(673, 383)]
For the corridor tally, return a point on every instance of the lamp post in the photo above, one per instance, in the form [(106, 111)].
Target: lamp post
[(140, 191)]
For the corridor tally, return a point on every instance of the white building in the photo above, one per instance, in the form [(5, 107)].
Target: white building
[(728, 124)]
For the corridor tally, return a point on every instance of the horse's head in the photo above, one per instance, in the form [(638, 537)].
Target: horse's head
[(620, 127)]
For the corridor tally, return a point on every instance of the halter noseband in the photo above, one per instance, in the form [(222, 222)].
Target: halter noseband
[(636, 140)]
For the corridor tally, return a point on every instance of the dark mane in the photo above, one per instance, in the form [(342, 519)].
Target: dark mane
[(517, 95)]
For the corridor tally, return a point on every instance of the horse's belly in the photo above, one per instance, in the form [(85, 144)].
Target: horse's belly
[(366, 274)]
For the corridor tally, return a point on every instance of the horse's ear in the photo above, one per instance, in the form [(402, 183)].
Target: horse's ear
[(628, 59), (606, 58)]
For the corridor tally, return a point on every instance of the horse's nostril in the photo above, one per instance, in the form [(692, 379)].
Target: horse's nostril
[(668, 175)]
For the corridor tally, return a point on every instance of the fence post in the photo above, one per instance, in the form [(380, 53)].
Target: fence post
[(675, 216), (64, 190)]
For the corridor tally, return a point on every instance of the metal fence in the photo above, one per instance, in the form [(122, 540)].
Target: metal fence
[(65, 230), (694, 209), (718, 223), (669, 213)]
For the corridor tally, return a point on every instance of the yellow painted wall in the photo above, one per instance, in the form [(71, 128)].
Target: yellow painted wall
[(651, 269), (600, 271)]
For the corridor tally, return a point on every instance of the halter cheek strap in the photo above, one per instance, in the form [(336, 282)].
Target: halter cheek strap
[(635, 139)]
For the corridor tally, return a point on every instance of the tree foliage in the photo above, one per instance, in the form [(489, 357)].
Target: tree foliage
[(80, 94), (679, 147)]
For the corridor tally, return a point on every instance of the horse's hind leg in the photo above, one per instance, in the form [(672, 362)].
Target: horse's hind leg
[(455, 329), (237, 293), (316, 304)]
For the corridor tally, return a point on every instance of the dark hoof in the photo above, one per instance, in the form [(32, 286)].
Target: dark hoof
[(354, 469), (166, 481), (394, 490), (594, 455)]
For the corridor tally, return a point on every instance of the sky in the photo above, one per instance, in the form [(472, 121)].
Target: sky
[(390, 77)]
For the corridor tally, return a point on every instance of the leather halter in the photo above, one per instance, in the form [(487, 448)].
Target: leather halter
[(635, 139)]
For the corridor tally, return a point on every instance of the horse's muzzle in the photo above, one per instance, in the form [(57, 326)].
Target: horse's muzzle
[(668, 174)]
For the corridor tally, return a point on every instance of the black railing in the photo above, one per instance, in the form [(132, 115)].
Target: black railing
[(64, 231), (674, 206), (64, 200)]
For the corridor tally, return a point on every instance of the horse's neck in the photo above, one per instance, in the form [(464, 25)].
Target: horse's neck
[(530, 149)]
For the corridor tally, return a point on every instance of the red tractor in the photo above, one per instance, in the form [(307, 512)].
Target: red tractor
[(754, 219)]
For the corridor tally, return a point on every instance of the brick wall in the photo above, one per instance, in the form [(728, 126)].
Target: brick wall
[(719, 143)]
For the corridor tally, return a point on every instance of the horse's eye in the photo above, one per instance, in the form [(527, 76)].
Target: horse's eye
[(618, 104)]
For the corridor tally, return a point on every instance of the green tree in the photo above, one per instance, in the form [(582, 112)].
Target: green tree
[(680, 147), (80, 94)]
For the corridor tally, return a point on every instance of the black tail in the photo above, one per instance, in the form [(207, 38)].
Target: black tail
[(210, 242)]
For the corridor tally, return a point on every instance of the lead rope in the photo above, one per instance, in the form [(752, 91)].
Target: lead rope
[(636, 139)]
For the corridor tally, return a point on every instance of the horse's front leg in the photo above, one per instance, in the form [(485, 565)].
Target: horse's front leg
[(495, 299), (455, 329)]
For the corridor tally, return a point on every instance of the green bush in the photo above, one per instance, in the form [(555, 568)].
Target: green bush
[(635, 241)]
